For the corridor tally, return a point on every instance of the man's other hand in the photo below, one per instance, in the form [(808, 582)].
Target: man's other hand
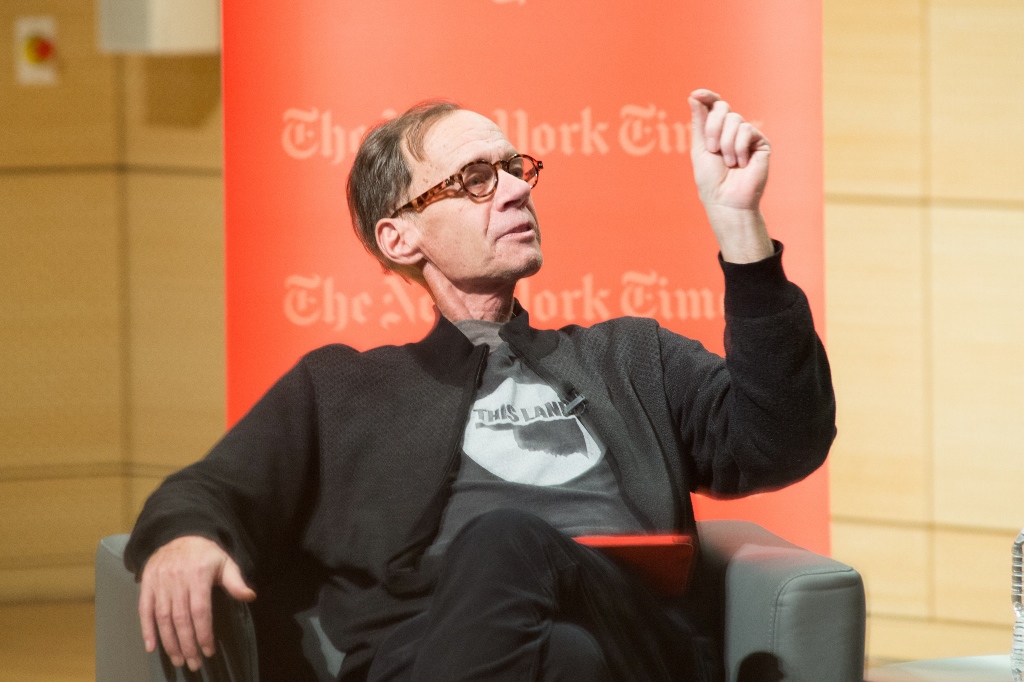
[(175, 602), (730, 167)]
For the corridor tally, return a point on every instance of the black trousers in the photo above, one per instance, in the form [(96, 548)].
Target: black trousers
[(517, 600)]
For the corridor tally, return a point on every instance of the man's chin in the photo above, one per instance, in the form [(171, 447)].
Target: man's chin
[(532, 267)]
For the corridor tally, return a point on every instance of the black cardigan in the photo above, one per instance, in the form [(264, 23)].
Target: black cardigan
[(347, 460)]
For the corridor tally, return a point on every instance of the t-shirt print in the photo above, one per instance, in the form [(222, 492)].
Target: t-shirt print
[(520, 433)]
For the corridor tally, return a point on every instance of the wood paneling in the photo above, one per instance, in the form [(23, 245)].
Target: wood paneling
[(977, 103), (894, 562), (47, 642), (923, 98), (60, 288), (173, 112), (57, 521), (972, 577), (177, 316), (910, 639), (978, 342), (73, 122), (47, 583), (111, 283), (873, 104), (875, 293)]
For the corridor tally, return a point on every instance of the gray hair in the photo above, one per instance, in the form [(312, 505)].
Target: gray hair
[(381, 176)]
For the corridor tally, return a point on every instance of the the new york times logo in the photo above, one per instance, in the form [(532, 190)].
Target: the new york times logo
[(640, 130)]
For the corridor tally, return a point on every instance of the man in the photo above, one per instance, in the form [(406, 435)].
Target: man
[(435, 487)]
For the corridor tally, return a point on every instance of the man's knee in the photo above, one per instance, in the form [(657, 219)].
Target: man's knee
[(572, 654)]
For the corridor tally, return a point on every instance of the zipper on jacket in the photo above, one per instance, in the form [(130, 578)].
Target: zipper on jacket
[(402, 574)]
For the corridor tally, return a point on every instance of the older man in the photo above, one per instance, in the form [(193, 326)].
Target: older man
[(435, 488)]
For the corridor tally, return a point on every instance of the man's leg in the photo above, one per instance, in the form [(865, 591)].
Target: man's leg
[(506, 580), (571, 653)]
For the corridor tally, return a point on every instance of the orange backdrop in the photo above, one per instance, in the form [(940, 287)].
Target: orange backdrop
[(596, 90)]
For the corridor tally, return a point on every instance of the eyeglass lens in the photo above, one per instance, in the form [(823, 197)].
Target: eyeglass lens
[(481, 179)]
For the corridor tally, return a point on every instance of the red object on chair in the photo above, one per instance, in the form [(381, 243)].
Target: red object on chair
[(663, 561)]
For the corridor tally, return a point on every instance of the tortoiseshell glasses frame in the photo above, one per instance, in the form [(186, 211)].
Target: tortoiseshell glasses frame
[(479, 179)]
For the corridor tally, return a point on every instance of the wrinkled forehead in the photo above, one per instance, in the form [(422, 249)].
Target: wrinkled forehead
[(459, 138)]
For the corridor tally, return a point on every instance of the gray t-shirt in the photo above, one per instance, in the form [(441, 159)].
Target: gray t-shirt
[(521, 451)]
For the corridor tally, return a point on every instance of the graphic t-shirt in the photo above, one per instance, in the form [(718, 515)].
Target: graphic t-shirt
[(521, 450)]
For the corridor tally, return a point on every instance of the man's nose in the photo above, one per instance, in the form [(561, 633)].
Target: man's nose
[(511, 191)]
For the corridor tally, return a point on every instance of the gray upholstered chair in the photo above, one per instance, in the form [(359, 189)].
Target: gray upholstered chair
[(784, 613)]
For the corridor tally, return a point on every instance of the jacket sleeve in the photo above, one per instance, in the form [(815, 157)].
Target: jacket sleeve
[(249, 492), (763, 417)]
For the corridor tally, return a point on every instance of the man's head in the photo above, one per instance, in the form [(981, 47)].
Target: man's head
[(471, 241)]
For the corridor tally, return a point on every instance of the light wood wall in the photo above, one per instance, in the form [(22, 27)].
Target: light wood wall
[(111, 294), (112, 304), (925, 313)]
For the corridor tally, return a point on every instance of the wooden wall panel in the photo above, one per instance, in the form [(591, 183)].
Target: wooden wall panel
[(947, 74), (977, 103), (875, 292), (173, 112), (51, 642), (177, 317), (55, 520), (908, 639), (48, 533), (972, 577), (978, 341), (35, 583), (60, 257), (894, 562), (873, 105), (73, 122)]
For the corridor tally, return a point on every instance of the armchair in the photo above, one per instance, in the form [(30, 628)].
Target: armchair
[(782, 613)]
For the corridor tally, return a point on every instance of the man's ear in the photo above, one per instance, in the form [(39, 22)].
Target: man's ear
[(398, 239)]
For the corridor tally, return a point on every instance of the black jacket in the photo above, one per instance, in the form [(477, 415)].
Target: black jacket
[(347, 461)]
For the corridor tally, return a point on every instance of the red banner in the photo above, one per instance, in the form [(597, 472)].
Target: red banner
[(597, 91)]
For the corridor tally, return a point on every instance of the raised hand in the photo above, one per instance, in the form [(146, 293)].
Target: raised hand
[(730, 167), (177, 582)]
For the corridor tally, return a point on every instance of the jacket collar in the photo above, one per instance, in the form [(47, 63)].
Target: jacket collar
[(446, 348), (518, 332), (445, 352)]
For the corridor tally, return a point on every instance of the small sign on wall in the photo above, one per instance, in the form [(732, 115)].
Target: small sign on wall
[(35, 47)]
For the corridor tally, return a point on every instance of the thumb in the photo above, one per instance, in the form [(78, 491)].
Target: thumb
[(233, 583), (701, 100)]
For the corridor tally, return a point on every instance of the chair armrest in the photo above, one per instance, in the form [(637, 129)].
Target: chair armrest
[(120, 652), (788, 613)]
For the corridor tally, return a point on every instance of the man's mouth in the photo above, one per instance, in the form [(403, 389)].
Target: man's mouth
[(525, 228)]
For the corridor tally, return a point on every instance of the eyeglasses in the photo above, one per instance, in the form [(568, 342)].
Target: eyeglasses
[(480, 179)]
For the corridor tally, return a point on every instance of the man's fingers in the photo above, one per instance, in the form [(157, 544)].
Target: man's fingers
[(165, 624), (183, 627), (701, 101), (744, 139), (705, 97), (714, 125), (233, 583), (146, 617), (202, 620), (699, 116), (727, 142)]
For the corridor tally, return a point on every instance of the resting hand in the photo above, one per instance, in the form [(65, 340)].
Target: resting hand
[(730, 166), (175, 597)]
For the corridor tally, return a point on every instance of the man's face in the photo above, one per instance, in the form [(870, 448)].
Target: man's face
[(479, 245)]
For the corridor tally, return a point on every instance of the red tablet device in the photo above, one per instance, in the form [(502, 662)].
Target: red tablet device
[(663, 561)]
